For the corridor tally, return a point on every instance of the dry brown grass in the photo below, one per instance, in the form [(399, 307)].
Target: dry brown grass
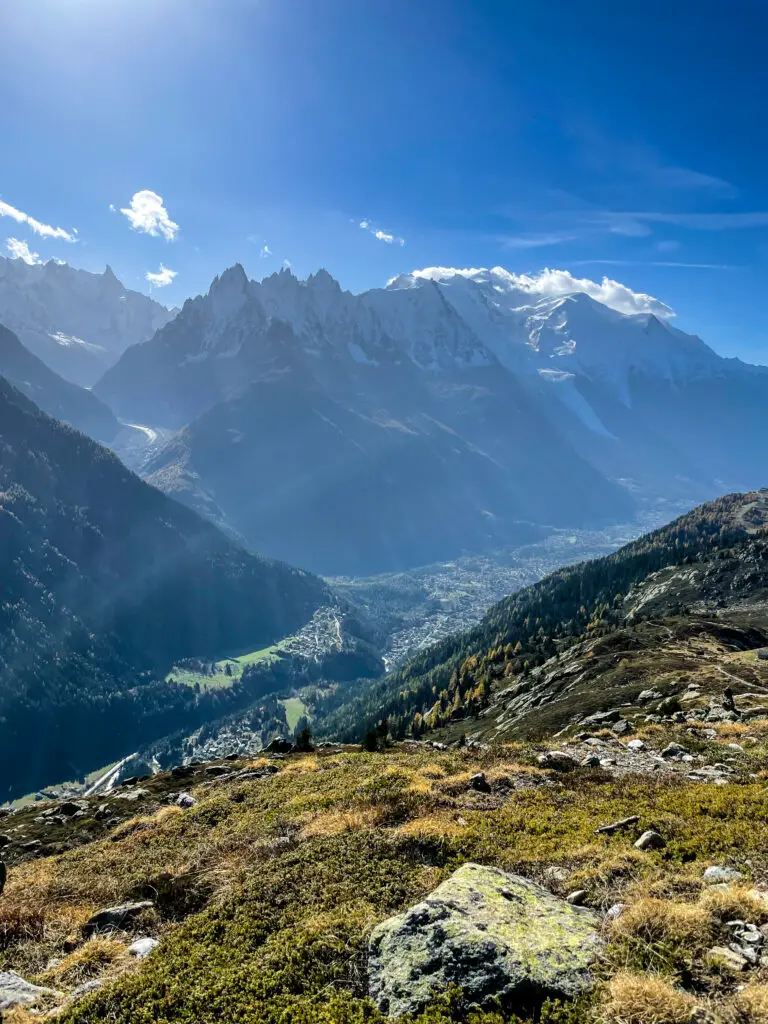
[(735, 902), (306, 764), (333, 823), (655, 920), (434, 826), (645, 999), (91, 960), (750, 1006)]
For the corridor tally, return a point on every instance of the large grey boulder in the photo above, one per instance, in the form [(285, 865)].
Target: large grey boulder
[(494, 934), (15, 991)]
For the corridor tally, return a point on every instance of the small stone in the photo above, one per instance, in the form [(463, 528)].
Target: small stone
[(591, 761), (688, 758), (646, 695), (650, 840), (87, 986), (729, 958), (479, 783), (636, 746), (674, 750), (601, 718), (556, 761), (752, 938), (616, 911), (215, 770), (68, 808), (577, 897), (607, 762), (185, 800), (717, 874), (736, 746), (557, 873), (747, 952), (143, 947), (115, 917), (621, 727)]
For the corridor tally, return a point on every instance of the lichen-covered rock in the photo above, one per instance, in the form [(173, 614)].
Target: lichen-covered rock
[(494, 934)]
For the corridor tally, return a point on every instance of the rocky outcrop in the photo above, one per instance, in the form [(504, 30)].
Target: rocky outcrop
[(497, 935)]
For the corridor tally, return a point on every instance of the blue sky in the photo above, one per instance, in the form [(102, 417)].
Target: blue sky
[(626, 140)]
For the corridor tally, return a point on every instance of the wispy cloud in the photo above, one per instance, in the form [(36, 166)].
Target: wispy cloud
[(162, 277), (147, 214), (654, 263), (266, 252), (44, 230), (378, 233), (668, 245), (19, 250), (708, 221), (689, 180), (535, 240)]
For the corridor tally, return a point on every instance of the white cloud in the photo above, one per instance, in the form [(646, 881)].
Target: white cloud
[(112, 208), (147, 213), (382, 236), (668, 245), (266, 252), (44, 230), (562, 282), (19, 250), (162, 277)]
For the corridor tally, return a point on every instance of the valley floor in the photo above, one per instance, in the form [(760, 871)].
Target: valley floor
[(416, 608)]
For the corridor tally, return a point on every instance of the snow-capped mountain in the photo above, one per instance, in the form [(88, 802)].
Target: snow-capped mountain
[(77, 322), (571, 332), (432, 415)]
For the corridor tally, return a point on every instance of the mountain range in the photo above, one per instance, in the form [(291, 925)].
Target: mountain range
[(450, 411), (77, 322), (106, 584)]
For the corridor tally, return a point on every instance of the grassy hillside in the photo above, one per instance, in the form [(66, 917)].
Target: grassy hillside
[(265, 892)]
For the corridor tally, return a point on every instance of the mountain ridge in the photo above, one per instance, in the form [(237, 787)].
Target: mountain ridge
[(76, 321), (106, 583), (55, 395)]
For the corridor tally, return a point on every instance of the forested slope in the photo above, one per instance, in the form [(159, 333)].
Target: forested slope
[(105, 583)]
